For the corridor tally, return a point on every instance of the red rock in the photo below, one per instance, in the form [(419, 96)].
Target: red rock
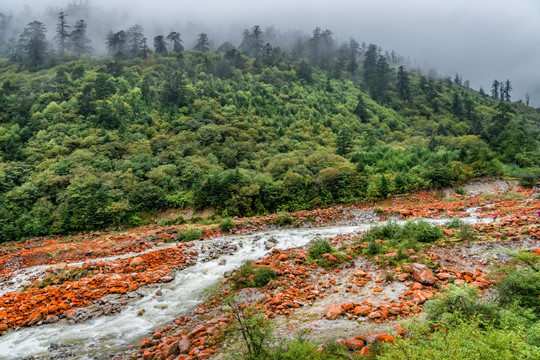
[(355, 344), (283, 257), (402, 277), (332, 258), (183, 345), (376, 338), (333, 312), (365, 351), (422, 274), (361, 310), (3, 327), (374, 315)]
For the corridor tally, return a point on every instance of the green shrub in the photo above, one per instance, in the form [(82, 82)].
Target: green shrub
[(461, 191), (522, 286), (455, 223), (284, 218), (373, 248), (466, 232), (319, 247), (460, 302), (226, 225), (189, 235), (263, 276), (464, 341), (424, 232)]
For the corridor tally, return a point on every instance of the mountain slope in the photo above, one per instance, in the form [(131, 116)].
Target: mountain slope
[(93, 143)]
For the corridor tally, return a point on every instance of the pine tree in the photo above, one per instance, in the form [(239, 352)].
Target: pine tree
[(160, 46), (177, 41), (507, 89), (495, 89), (62, 35), (33, 44), (79, 43), (403, 83), (202, 43), (136, 41), (361, 110)]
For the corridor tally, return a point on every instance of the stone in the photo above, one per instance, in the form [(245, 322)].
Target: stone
[(376, 338), (422, 274), (333, 312), (361, 310), (183, 346), (355, 344)]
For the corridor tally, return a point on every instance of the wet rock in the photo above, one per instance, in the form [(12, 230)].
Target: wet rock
[(166, 278), (223, 262), (159, 293)]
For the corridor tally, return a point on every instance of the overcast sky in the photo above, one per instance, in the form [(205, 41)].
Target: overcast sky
[(480, 39)]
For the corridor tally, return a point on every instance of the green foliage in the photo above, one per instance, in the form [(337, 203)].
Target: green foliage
[(189, 235), (464, 341), (283, 218), (263, 276), (412, 231), (466, 232), (60, 276), (86, 148), (460, 303), (319, 247), (249, 276), (455, 223), (521, 286), (226, 225)]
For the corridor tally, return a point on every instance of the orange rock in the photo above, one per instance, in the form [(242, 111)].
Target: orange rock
[(422, 274), (333, 312), (355, 344), (361, 310), (283, 257), (365, 351)]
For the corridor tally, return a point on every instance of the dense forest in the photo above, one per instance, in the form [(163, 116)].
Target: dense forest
[(88, 141)]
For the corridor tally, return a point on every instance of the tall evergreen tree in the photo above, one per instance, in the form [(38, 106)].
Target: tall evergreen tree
[(79, 42), (136, 41), (507, 90), (202, 43), (403, 83), (370, 67), (160, 46), (62, 35), (177, 41), (495, 89), (117, 43), (33, 43)]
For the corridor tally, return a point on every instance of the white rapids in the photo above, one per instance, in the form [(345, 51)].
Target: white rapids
[(99, 337)]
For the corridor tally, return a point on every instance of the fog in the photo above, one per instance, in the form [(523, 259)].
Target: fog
[(482, 40)]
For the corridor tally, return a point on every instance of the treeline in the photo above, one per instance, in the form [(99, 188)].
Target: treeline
[(103, 141)]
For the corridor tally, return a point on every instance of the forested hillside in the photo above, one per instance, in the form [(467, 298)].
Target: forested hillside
[(98, 141)]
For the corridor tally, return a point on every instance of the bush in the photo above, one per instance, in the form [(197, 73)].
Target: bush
[(263, 276), (465, 341), (459, 303), (423, 231), (466, 232), (373, 248), (455, 223), (249, 276), (189, 235), (226, 225), (461, 191), (284, 218), (522, 286), (319, 247)]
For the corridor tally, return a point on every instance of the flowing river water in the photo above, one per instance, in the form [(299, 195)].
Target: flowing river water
[(99, 337)]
